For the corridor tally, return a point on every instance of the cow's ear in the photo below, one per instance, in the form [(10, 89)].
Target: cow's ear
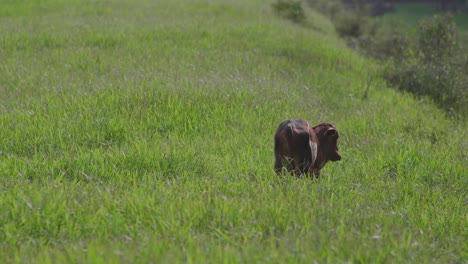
[(330, 132)]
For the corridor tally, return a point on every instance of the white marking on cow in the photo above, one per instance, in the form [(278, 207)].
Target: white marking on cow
[(313, 151)]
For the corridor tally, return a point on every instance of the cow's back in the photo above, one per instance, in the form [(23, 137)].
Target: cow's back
[(299, 126), (295, 148)]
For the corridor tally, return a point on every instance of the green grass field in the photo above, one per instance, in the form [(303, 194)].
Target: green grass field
[(142, 132)]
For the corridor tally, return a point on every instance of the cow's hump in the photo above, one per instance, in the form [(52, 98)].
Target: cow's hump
[(299, 126)]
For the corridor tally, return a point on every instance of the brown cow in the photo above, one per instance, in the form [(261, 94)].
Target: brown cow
[(303, 149)]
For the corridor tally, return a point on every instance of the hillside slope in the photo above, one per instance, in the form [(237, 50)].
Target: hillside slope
[(142, 131)]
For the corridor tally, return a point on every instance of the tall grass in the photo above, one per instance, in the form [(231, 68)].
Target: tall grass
[(143, 132)]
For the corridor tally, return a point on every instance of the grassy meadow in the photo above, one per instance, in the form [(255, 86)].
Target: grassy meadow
[(142, 132)]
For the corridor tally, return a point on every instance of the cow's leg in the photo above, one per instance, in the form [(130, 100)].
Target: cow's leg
[(288, 164), (304, 154), (282, 158), (304, 166), (315, 174), (295, 166), (278, 164)]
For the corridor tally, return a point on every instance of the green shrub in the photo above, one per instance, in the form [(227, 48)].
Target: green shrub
[(384, 43), (350, 21), (290, 9), (437, 38), (438, 66), (362, 32), (350, 24), (433, 63), (331, 8)]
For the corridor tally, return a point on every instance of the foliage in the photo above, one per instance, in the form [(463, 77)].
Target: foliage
[(437, 38), (350, 21), (433, 63), (290, 9), (384, 43), (438, 66)]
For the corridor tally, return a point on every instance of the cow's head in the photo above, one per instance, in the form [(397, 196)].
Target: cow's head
[(328, 137)]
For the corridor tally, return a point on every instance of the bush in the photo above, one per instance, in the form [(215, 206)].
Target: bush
[(438, 66), (383, 43), (290, 9), (331, 8), (349, 24), (351, 21), (437, 38), (431, 64), (354, 23)]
